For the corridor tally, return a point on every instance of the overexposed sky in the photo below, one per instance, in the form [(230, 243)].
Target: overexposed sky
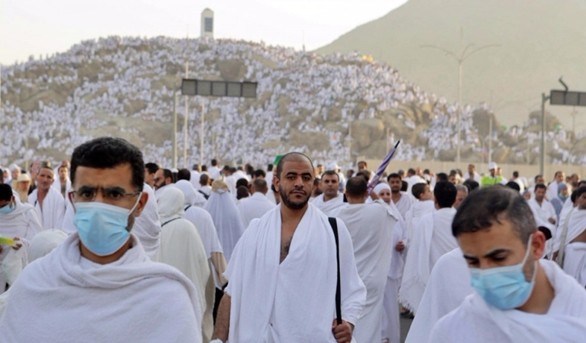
[(35, 27)]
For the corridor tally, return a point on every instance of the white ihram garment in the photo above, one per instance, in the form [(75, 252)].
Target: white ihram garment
[(292, 301), (129, 300), (475, 321)]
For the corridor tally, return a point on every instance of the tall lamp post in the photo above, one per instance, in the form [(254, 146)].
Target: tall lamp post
[(460, 57)]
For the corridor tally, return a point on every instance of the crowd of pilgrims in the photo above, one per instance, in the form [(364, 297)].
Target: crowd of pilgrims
[(321, 94), (218, 202)]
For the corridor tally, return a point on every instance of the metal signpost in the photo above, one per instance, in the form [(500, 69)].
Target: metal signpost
[(557, 97), (194, 87)]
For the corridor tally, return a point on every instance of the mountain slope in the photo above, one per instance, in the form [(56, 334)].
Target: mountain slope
[(527, 47)]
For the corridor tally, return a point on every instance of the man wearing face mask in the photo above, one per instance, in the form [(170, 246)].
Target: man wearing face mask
[(99, 283), (518, 296), (19, 222)]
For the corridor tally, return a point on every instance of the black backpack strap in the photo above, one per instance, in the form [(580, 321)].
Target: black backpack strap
[(334, 225)]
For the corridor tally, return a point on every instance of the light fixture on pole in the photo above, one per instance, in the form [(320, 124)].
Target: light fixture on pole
[(460, 58)]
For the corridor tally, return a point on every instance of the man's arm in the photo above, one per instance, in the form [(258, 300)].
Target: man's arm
[(222, 328)]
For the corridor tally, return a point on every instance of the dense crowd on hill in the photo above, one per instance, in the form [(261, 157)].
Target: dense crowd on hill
[(129, 77)]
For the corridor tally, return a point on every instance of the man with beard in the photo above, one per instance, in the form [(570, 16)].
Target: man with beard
[(402, 200), (283, 271)]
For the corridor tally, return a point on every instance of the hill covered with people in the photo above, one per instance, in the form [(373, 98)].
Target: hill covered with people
[(334, 108)]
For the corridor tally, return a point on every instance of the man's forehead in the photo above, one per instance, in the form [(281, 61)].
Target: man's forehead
[(119, 176), (298, 165), (44, 171)]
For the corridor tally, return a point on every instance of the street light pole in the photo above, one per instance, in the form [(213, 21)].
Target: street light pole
[(544, 99), (185, 121), (201, 133), (175, 96), (460, 58)]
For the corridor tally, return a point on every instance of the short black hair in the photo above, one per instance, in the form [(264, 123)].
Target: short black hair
[(515, 174), (445, 194), (151, 167), (167, 173), (441, 177), (540, 186), (204, 179), (259, 173), (393, 176), (404, 186), (577, 193), (418, 189), (356, 186), (242, 192), (486, 206), (330, 172), (513, 185), (471, 184), (5, 192), (109, 152), (242, 182), (183, 174)]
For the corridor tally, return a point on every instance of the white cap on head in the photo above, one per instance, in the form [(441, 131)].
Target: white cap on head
[(492, 165), (332, 166), (379, 187)]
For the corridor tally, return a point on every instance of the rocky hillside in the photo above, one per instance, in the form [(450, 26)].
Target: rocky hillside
[(334, 108)]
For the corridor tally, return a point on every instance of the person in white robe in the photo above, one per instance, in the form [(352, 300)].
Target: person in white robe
[(194, 197), (403, 200), (20, 221), (371, 227), (561, 237), (431, 239), (42, 243), (574, 259), (99, 284), (257, 204), (446, 289), (222, 207), (182, 248), (204, 223), (541, 207), (283, 273), (552, 188), (331, 199), (390, 321), (48, 202), (62, 184), (422, 205), (518, 296)]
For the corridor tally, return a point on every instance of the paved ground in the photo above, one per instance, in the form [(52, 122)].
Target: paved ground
[(405, 324)]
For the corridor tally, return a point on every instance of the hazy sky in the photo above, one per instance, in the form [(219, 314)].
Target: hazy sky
[(34, 27)]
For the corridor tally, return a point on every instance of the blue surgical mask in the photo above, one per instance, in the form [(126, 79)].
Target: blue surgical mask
[(8, 208), (504, 287), (102, 228)]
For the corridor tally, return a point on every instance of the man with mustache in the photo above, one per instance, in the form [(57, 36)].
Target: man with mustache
[(283, 271)]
